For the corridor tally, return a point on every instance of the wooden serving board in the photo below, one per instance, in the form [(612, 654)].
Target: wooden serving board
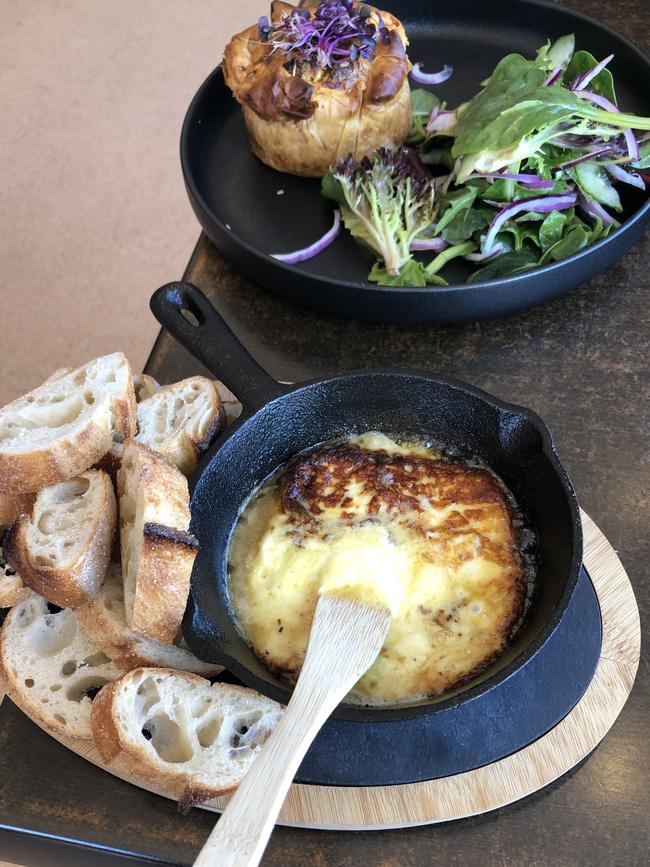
[(502, 782)]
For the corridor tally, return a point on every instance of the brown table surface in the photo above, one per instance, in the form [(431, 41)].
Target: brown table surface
[(583, 363)]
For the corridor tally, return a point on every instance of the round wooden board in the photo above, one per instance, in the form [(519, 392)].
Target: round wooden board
[(500, 783)]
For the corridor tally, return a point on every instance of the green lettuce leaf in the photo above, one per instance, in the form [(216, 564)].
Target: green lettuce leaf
[(412, 273)]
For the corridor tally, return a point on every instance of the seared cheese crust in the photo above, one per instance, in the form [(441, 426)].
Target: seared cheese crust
[(433, 538)]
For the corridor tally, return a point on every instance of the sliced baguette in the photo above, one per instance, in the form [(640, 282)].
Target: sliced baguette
[(58, 373), (63, 549), (145, 386), (14, 505), (157, 551), (63, 427), (51, 667), (12, 589), (232, 407), (181, 421), (111, 463), (104, 619), (173, 731), (52, 434)]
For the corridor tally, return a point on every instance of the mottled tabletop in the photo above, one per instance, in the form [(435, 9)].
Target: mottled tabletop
[(583, 363)]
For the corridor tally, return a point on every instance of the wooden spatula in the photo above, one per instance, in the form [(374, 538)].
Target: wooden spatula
[(346, 637)]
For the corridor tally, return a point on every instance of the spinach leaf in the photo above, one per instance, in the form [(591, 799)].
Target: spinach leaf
[(463, 225), (423, 102), (504, 265), (506, 191), (644, 161), (575, 239), (551, 230), (412, 273), (454, 203), (519, 232), (603, 83), (332, 188)]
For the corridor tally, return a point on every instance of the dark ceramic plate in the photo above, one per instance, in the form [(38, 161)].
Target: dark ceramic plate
[(235, 197)]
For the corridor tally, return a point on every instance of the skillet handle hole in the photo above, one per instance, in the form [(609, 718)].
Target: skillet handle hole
[(191, 317)]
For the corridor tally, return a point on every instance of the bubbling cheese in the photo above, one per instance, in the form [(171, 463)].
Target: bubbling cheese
[(433, 539)]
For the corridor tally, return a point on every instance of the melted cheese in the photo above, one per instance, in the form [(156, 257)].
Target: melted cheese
[(444, 560)]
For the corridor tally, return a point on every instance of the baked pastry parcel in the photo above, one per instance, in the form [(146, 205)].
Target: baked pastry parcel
[(320, 83)]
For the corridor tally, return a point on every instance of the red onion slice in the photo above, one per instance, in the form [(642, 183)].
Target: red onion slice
[(584, 159), (598, 100), (553, 77), (532, 181), (632, 145), (624, 177), (583, 80), (542, 205), (434, 245), (441, 122), (595, 209), (432, 78), (314, 249), (496, 250)]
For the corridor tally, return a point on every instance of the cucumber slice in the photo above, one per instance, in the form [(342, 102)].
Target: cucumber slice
[(594, 182)]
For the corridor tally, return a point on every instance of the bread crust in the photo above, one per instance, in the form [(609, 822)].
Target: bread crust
[(14, 505), (61, 459), (133, 760), (184, 445), (312, 127), (72, 586), (155, 541)]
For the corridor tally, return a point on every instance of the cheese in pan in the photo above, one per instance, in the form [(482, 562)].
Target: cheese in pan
[(433, 538)]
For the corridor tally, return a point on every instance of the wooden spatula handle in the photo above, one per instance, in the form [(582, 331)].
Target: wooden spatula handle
[(336, 658)]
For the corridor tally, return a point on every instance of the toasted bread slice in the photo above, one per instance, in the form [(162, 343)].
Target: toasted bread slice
[(58, 373), (145, 386), (111, 462), (157, 551), (104, 619), (63, 549), (12, 589), (232, 407), (51, 667), (65, 426), (181, 421), (52, 434), (113, 373), (173, 731), (14, 505)]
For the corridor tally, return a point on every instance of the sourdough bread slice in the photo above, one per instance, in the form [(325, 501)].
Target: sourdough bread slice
[(111, 462), (12, 589), (14, 505), (157, 551), (113, 374), (58, 373), (232, 407), (174, 732), (145, 386), (63, 549), (63, 427), (104, 619), (54, 433), (181, 421), (51, 667)]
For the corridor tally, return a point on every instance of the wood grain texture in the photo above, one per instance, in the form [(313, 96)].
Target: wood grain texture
[(502, 782), (345, 639)]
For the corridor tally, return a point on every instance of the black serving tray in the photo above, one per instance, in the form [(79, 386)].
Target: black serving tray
[(235, 197)]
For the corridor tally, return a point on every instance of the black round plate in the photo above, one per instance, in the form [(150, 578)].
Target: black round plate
[(495, 724), (250, 211)]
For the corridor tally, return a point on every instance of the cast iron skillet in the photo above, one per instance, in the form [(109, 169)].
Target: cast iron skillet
[(235, 197), (279, 421)]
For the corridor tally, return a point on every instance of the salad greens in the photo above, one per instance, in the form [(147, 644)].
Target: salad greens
[(388, 202), (532, 167)]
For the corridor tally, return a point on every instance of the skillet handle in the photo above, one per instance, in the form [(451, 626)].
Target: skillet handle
[(187, 314)]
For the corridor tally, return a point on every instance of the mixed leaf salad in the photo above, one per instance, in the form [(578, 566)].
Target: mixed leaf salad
[(524, 174)]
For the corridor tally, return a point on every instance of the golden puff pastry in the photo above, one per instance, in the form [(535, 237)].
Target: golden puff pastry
[(321, 83)]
